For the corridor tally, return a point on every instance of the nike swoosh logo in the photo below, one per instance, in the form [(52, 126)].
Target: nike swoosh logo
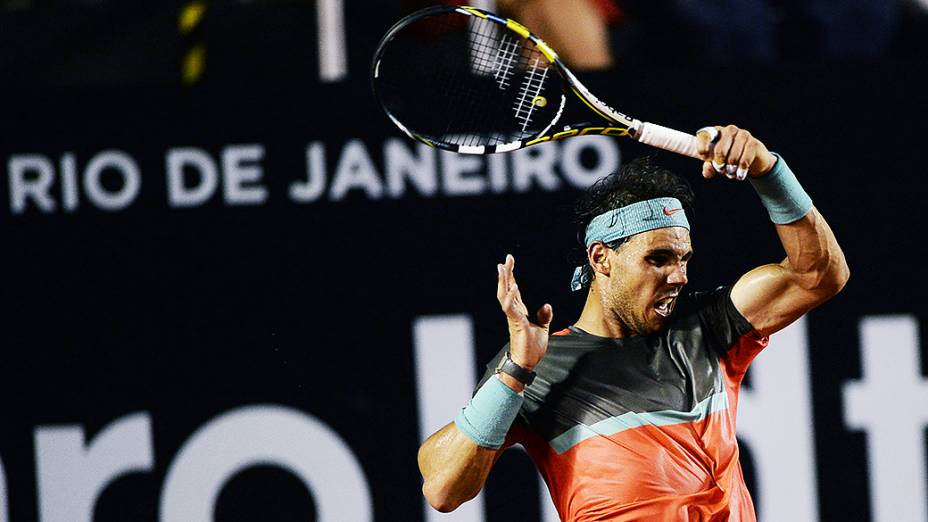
[(670, 212)]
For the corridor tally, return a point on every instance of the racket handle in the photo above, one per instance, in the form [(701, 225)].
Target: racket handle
[(668, 139)]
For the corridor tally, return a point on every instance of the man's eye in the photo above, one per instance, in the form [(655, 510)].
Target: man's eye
[(657, 260)]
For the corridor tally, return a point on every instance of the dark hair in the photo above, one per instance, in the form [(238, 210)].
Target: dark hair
[(638, 180)]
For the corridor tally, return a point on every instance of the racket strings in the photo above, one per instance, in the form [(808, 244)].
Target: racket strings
[(463, 80), (504, 54), (483, 41), (503, 63), (530, 90)]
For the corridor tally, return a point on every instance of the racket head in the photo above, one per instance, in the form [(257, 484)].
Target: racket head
[(468, 81)]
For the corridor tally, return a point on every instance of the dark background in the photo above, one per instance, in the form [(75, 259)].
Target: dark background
[(186, 313)]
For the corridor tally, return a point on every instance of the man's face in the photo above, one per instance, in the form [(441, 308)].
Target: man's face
[(647, 274)]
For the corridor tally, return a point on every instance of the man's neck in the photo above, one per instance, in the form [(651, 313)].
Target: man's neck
[(593, 319)]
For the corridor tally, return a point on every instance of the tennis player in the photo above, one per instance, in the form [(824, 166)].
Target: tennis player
[(629, 414)]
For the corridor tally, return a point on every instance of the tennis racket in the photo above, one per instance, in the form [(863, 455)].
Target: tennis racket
[(465, 80)]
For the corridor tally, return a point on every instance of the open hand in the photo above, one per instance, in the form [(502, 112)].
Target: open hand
[(528, 341)]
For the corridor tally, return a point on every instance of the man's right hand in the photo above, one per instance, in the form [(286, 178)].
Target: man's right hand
[(528, 341)]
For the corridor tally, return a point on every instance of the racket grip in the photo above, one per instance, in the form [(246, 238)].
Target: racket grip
[(668, 139)]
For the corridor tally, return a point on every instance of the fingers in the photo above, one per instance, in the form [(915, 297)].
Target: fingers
[(705, 138), (707, 171), (512, 304), (733, 169), (747, 159), (507, 291), (505, 279), (501, 288), (733, 154), (510, 299), (545, 315), (722, 149)]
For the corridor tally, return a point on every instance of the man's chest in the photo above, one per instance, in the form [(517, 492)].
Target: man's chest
[(596, 384)]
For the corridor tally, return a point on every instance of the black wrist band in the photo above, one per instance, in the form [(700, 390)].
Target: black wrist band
[(509, 367)]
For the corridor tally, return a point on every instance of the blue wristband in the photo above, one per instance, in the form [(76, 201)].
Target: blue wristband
[(781, 193), (488, 416)]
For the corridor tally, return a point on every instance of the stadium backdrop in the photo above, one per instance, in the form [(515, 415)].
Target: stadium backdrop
[(252, 299)]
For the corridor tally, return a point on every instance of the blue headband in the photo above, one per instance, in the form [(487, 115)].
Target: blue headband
[(627, 221)]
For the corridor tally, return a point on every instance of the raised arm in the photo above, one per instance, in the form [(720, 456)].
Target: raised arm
[(772, 296), (456, 460)]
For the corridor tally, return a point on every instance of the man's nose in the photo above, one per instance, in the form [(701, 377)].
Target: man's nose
[(677, 276)]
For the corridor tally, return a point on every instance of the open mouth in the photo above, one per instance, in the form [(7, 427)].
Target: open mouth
[(664, 306)]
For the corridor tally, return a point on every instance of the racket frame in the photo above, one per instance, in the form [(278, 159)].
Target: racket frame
[(614, 123)]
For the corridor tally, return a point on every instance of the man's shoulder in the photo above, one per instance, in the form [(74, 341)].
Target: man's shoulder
[(573, 336), (699, 302), (711, 316), (562, 333)]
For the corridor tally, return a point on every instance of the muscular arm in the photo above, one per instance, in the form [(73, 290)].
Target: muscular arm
[(772, 296), (454, 467)]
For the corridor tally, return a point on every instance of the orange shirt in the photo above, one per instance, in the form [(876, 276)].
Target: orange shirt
[(643, 428)]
